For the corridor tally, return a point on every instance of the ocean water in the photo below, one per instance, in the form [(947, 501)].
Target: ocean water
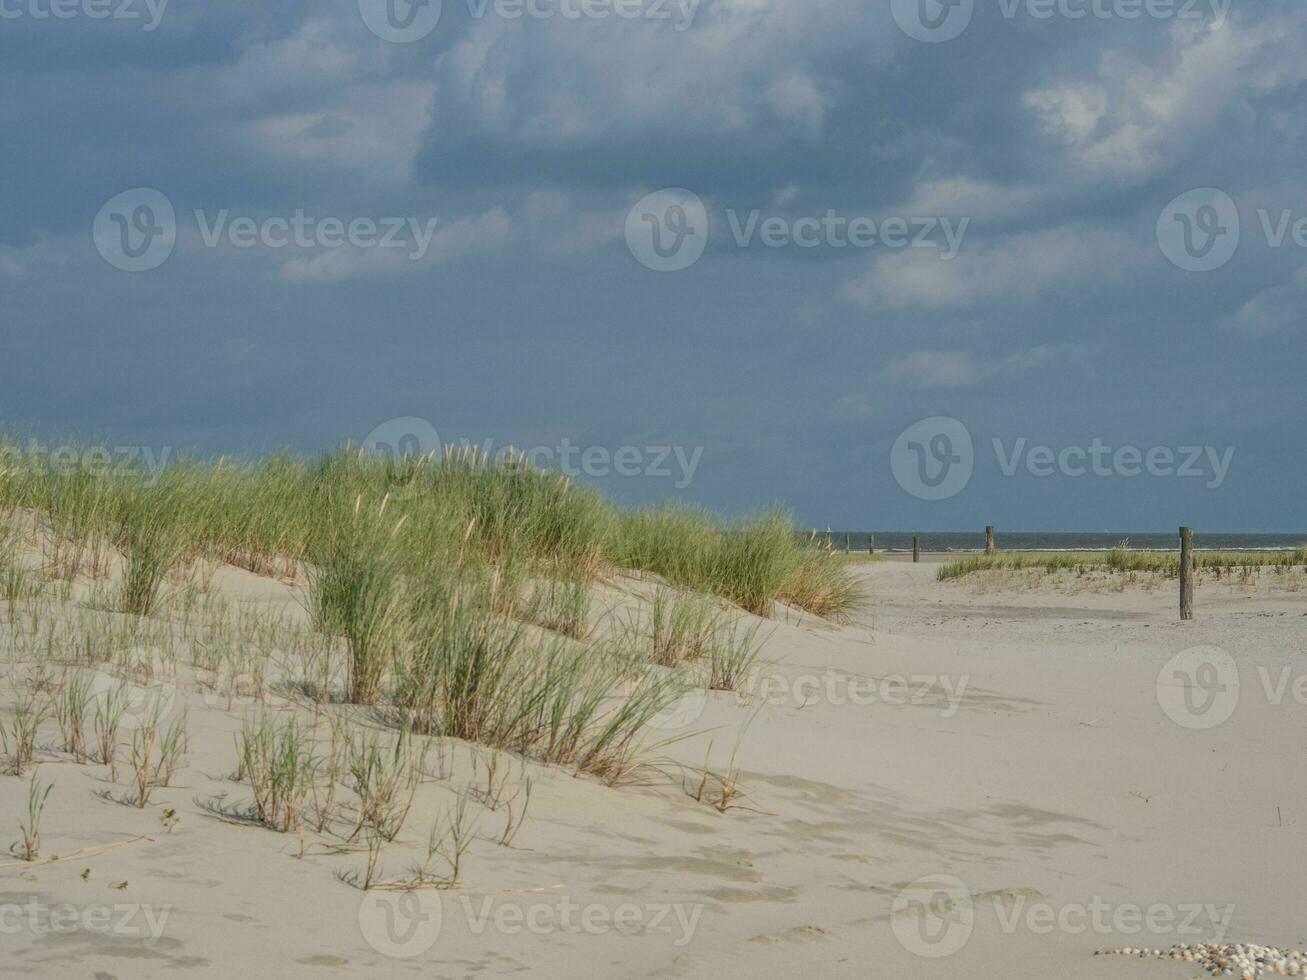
[(963, 541)]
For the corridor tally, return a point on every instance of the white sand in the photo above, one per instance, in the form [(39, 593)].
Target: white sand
[(1055, 786)]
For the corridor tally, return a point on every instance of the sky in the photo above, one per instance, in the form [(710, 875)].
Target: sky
[(882, 263)]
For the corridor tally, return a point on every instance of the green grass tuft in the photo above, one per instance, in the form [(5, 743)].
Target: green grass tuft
[(1119, 559)]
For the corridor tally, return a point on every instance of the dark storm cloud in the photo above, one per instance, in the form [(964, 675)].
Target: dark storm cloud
[(1059, 140)]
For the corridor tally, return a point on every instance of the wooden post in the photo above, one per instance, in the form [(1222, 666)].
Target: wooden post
[(1186, 573), (989, 539), (916, 547), (848, 548), (871, 544)]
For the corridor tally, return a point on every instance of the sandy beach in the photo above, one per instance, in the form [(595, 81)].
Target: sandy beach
[(963, 779), (653, 489)]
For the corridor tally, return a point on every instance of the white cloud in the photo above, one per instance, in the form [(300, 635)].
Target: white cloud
[(1135, 117), (786, 196), (756, 68), (1014, 269), (322, 99), (48, 255), (1276, 310), (556, 223), (1071, 113), (299, 66), (15, 262), (797, 99), (483, 233), (373, 130), (979, 200), (932, 369)]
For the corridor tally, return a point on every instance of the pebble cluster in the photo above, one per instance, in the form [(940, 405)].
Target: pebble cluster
[(1243, 960)]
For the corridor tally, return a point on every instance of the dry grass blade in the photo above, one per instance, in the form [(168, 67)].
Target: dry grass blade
[(29, 848)]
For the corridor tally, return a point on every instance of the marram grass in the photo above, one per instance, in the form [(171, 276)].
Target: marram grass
[(275, 516), (456, 591), (1119, 559)]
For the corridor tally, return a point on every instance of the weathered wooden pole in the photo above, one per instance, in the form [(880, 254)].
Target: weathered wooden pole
[(1186, 573), (989, 539), (871, 544), (848, 548), (916, 547)]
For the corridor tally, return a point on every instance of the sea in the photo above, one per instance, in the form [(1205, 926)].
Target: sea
[(964, 541)]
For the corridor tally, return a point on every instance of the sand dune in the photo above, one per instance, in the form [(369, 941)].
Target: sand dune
[(964, 780)]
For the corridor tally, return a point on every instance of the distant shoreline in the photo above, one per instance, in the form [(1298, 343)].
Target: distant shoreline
[(973, 542), (981, 550)]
